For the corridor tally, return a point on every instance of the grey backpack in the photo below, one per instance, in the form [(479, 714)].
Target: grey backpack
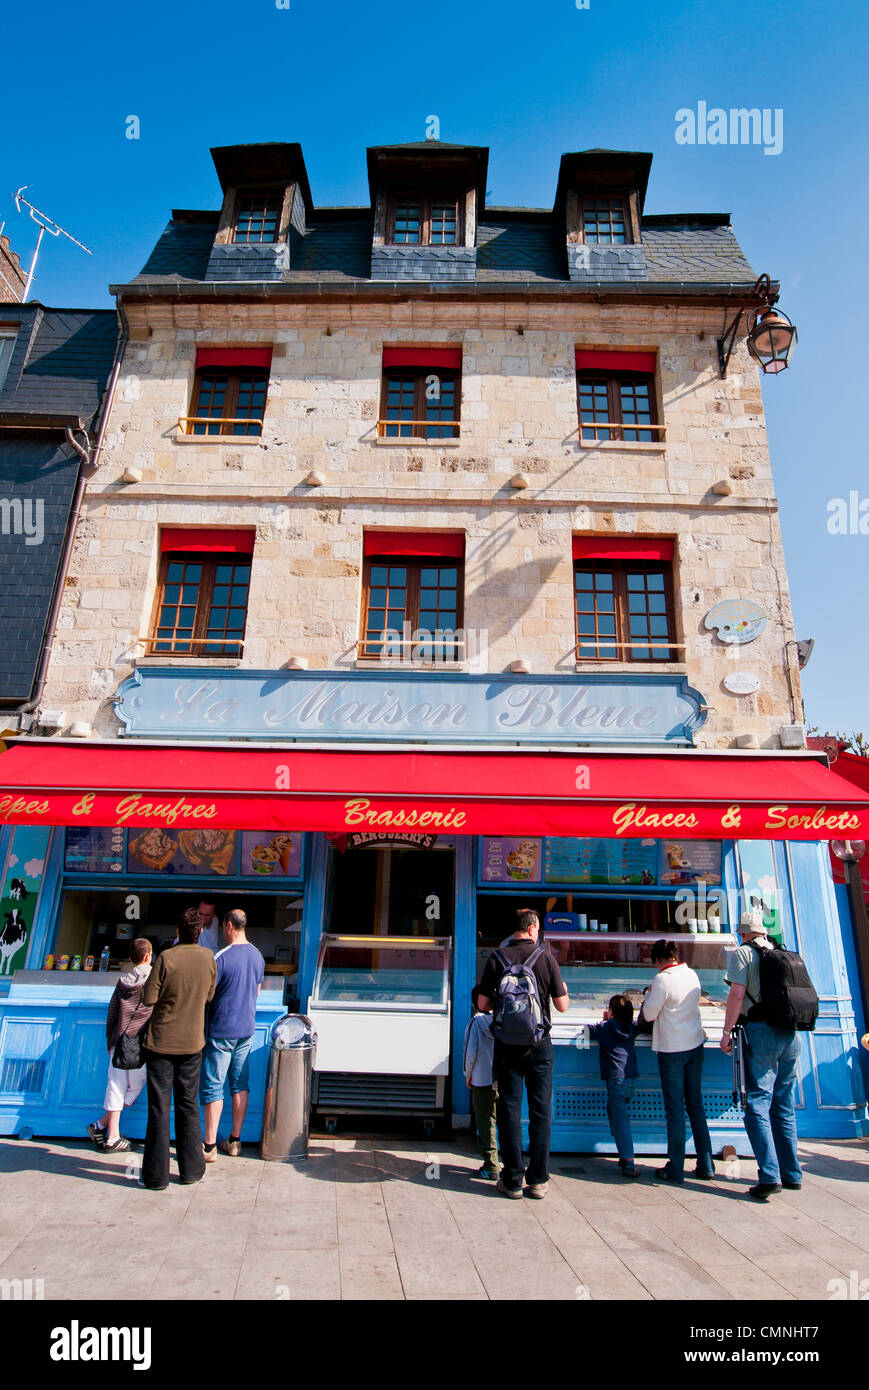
[(517, 1018)]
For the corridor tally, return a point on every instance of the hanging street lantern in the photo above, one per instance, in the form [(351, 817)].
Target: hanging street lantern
[(771, 334)]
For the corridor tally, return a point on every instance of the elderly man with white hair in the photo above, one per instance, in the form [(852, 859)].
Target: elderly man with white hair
[(771, 1060)]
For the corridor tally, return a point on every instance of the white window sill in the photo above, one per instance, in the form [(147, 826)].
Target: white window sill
[(412, 443), (205, 662), (436, 667), (229, 440), (622, 446), (590, 666)]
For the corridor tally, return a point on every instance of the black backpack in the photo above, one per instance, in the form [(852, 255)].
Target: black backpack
[(788, 999), (518, 1019)]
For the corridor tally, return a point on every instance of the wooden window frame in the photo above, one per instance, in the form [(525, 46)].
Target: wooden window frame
[(615, 424), (621, 198), (228, 421), (209, 562), (277, 193), (414, 564), (420, 425), (425, 200), (661, 649)]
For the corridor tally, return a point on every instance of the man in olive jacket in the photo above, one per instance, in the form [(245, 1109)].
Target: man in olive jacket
[(179, 987)]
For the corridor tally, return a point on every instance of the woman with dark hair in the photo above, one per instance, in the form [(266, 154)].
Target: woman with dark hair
[(179, 987), (672, 1006)]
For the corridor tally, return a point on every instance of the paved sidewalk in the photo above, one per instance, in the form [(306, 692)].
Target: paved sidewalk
[(395, 1219)]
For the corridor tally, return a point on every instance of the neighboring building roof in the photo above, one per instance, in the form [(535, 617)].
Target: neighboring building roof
[(60, 367), (61, 360)]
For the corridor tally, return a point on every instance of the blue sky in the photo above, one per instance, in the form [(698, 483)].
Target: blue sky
[(530, 81)]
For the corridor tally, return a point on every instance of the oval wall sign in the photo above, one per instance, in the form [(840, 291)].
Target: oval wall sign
[(741, 683), (736, 620)]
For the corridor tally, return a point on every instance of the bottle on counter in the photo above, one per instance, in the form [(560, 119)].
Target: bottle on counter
[(88, 962), (592, 926), (62, 963), (582, 922), (75, 963), (48, 963), (104, 958)]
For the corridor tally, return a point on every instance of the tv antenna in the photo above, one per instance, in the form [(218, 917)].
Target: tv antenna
[(45, 224)]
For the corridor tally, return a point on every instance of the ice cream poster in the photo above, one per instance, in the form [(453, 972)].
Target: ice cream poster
[(202, 851), (691, 861), (265, 854), (506, 860), (22, 881)]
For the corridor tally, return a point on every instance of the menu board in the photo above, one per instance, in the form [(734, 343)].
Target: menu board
[(601, 861), (508, 860), (265, 854), (95, 849), (691, 861), (202, 851)]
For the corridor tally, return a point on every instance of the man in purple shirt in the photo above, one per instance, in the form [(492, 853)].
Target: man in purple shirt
[(229, 1033)]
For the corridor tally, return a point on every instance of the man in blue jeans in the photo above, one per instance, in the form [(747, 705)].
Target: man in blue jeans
[(771, 1060), (229, 1033), (672, 1005), (528, 1066)]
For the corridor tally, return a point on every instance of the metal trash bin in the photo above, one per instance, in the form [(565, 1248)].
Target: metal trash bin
[(287, 1111)]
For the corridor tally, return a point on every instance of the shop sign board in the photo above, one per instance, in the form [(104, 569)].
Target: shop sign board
[(394, 706), (605, 861)]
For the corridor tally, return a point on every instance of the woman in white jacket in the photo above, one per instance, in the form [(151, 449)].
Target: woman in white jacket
[(672, 1005)]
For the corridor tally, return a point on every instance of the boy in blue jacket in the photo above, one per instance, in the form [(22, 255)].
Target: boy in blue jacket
[(618, 1068), (478, 1065)]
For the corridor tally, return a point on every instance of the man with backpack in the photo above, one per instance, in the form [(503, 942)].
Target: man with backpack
[(518, 983), (773, 999)]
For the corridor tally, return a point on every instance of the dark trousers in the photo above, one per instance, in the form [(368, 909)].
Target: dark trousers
[(681, 1083), (167, 1075), (531, 1066), (483, 1101)]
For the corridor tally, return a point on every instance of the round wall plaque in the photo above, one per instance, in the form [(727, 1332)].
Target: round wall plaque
[(741, 683)]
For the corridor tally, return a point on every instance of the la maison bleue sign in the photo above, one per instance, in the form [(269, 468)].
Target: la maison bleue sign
[(389, 707)]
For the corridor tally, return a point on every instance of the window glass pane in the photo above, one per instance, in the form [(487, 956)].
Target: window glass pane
[(379, 574), (398, 576)]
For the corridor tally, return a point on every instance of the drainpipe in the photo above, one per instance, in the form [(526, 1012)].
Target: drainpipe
[(90, 459)]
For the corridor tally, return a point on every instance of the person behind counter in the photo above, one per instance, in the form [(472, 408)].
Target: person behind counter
[(672, 1006), (127, 1017), (180, 985), (618, 1068), (530, 1065), (478, 1058), (210, 935), (240, 971)]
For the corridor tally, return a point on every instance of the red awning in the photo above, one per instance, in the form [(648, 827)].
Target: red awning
[(594, 360), (622, 548), (691, 795), (422, 357), (446, 543)]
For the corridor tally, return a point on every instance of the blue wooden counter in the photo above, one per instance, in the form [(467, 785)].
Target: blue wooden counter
[(53, 1056)]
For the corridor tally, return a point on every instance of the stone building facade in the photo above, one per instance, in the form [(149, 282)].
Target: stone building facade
[(519, 483)]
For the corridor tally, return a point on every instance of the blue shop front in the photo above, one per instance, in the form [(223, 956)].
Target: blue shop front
[(377, 923)]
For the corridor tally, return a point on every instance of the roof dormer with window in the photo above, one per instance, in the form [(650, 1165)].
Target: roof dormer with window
[(600, 195), (266, 202), (427, 198)]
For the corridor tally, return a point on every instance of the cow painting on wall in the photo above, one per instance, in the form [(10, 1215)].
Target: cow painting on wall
[(21, 882)]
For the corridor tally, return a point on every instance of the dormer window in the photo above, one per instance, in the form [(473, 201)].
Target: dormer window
[(604, 221), (8, 335), (424, 221), (258, 215)]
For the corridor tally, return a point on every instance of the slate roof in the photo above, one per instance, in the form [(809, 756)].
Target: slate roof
[(515, 246), (60, 366)]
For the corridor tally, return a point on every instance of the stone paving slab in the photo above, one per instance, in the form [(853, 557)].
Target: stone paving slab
[(391, 1219)]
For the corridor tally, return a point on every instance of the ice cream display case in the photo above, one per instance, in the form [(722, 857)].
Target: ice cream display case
[(360, 984), (595, 967)]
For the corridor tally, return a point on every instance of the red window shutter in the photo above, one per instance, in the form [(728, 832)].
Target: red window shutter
[(422, 357), (222, 542), (446, 544), (234, 357), (590, 360), (622, 548)]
